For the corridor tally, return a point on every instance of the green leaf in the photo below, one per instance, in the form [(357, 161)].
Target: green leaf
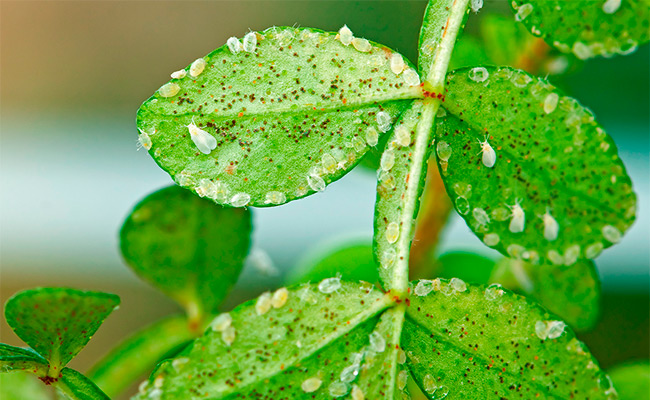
[(353, 260), (58, 322), (78, 387), (435, 26), (287, 117), (189, 248), (468, 51), (555, 191), (22, 386), (632, 380), (469, 267), (139, 353), (283, 346), (19, 359), (587, 28), (473, 342), (399, 186), (573, 293)]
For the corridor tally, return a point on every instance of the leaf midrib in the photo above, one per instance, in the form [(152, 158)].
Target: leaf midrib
[(411, 93), (459, 350)]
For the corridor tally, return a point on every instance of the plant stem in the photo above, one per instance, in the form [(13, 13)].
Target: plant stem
[(434, 82)]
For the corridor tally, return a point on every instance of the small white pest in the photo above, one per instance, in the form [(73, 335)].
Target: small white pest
[(397, 64), (234, 45), (202, 139), (489, 156), (551, 227), (197, 67), (180, 74), (345, 35), (144, 141), (250, 42), (518, 218)]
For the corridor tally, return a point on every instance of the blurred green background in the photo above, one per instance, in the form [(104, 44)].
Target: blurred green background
[(74, 73)]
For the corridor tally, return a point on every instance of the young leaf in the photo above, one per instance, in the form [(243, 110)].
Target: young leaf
[(632, 381), (139, 353), (399, 186), (573, 293), (499, 344), (19, 359), (587, 28), (189, 248), (22, 386), (353, 260), (58, 322), (77, 387), (530, 171), (307, 340), (277, 118)]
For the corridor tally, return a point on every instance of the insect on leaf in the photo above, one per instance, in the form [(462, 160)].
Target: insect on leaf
[(529, 169), (500, 344), (274, 117), (587, 28), (400, 181), (573, 293), (309, 340), (139, 353), (58, 322), (188, 247)]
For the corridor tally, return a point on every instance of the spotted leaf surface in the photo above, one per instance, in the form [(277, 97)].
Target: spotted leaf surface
[(587, 28), (275, 116), (399, 185), (188, 247), (58, 322), (303, 342), (434, 28), (18, 359), (139, 353), (572, 293), (500, 344), (529, 169)]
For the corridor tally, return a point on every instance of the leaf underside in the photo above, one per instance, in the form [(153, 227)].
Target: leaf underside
[(548, 159), (587, 28), (433, 29), (302, 349), (289, 117), (395, 177), (188, 247), (58, 322), (76, 386), (490, 338), (573, 292)]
